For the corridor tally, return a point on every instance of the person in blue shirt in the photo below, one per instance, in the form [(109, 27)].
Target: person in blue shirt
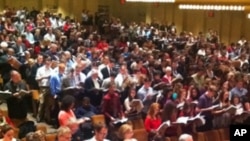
[(86, 110), (52, 105)]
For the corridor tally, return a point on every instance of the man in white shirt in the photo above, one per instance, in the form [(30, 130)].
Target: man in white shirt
[(101, 132), (49, 36), (42, 76)]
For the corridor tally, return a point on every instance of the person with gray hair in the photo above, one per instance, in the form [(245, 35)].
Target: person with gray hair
[(185, 137)]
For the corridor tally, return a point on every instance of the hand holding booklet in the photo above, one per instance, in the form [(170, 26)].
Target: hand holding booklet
[(5, 94), (123, 120), (163, 126), (137, 104), (186, 120)]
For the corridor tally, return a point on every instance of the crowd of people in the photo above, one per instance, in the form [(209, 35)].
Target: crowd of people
[(64, 72)]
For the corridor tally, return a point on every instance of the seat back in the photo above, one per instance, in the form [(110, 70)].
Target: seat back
[(141, 134), (212, 135), (42, 128), (50, 137), (224, 134), (138, 123), (98, 119), (199, 136)]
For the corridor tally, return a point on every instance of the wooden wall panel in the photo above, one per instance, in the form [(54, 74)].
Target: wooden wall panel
[(236, 26), (194, 21), (225, 27)]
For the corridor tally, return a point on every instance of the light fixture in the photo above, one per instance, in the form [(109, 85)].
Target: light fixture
[(212, 7), (248, 15), (161, 1)]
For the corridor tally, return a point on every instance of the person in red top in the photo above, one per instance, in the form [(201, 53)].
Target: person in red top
[(103, 45), (111, 105), (153, 120)]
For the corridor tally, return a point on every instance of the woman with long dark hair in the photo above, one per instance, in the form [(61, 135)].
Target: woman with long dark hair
[(66, 117)]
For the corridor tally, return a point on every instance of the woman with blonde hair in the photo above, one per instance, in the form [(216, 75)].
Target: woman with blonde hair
[(126, 133)]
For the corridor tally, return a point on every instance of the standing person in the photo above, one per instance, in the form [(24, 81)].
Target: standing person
[(101, 132), (17, 103), (205, 103), (52, 108), (66, 117), (152, 121)]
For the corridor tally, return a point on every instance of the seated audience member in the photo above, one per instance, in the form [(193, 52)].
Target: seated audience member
[(193, 93), (8, 133), (66, 117), (152, 121), (86, 109), (126, 133), (111, 105), (35, 136), (101, 132), (64, 134), (185, 137)]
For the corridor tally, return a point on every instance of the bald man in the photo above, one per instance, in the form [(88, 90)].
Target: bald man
[(17, 103), (185, 137)]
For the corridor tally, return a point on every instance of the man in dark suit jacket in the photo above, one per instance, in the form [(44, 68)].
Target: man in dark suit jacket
[(92, 88), (106, 71)]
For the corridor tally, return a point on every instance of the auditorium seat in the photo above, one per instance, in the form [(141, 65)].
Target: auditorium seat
[(174, 138), (212, 135), (224, 134), (167, 139), (199, 136), (41, 127), (50, 137), (137, 123), (98, 119), (141, 134)]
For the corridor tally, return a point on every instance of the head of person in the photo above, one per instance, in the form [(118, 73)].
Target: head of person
[(7, 133), (111, 88), (101, 132), (147, 83), (239, 84), (169, 111), (67, 103), (132, 93), (235, 100), (61, 68), (35, 136), (64, 134), (86, 102), (39, 59), (185, 137), (153, 110), (78, 69), (211, 91), (15, 76), (94, 74), (126, 131)]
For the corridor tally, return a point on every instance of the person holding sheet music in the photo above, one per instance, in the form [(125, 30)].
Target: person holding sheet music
[(128, 101), (145, 94), (205, 103), (222, 118), (153, 121), (111, 105), (170, 113), (17, 104)]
